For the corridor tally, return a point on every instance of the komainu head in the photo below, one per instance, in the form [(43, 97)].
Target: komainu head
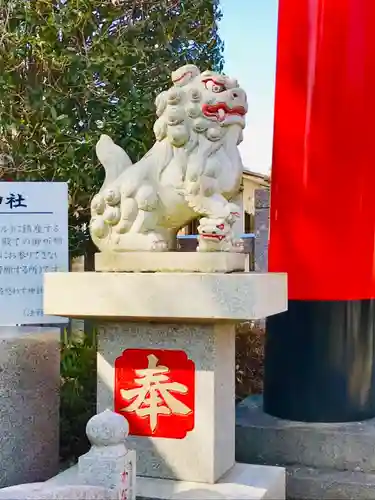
[(199, 103)]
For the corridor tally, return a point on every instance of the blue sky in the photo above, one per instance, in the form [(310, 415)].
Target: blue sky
[(249, 31)]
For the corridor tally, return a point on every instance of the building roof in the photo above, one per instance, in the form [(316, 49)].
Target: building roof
[(256, 175)]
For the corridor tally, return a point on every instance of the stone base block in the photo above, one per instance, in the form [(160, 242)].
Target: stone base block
[(175, 262), (29, 404), (324, 461), (206, 451), (46, 491), (242, 482), (261, 438)]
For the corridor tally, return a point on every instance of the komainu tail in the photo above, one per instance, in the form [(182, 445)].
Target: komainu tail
[(113, 158)]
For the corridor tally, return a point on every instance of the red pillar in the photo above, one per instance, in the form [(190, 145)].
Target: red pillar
[(320, 355)]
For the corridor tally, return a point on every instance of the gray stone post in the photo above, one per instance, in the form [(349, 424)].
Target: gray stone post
[(109, 463), (29, 404)]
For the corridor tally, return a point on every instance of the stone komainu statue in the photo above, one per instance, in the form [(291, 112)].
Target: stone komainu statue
[(194, 170)]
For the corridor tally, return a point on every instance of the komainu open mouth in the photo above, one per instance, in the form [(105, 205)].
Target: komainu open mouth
[(211, 236), (221, 109)]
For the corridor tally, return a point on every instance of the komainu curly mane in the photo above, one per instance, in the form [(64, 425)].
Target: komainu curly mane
[(194, 168)]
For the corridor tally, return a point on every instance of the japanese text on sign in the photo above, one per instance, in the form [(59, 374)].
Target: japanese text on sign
[(33, 241), (14, 201)]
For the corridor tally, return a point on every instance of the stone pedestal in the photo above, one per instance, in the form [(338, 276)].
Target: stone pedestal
[(166, 297), (207, 451), (166, 361), (29, 404)]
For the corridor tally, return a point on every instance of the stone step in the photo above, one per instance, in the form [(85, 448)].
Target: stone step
[(305, 483), (262, 439)]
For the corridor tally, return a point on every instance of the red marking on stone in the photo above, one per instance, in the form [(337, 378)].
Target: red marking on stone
[(220, 84), (212, 110), (182, 77), (167, 385)]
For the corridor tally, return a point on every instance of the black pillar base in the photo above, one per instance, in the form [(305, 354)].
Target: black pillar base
[(320, 361)]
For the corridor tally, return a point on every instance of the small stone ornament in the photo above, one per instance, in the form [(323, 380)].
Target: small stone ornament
[(109, 463)]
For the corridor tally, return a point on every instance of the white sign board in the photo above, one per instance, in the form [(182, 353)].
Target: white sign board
[(33, 240)]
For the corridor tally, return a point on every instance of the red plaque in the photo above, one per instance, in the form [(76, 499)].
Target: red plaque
[(155, 391)]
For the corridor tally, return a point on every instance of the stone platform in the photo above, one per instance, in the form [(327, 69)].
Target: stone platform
[(199, 297), (173, 262), (181, 326), (245, 482), (323, 461)]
